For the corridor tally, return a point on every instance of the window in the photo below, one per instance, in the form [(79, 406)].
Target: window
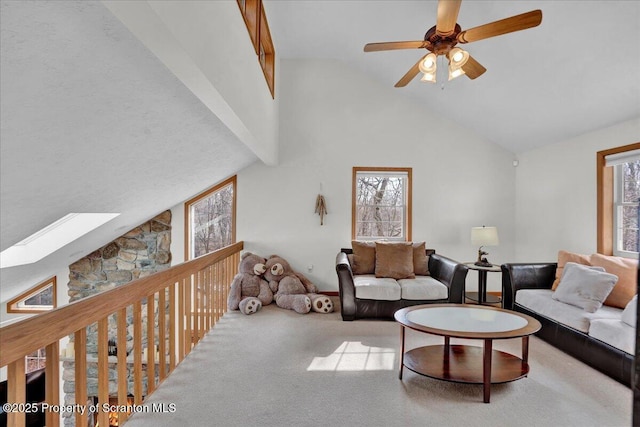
[(256, 21), (36, 360), (381, 204), (40, 298), (618, 181), (210, 219)]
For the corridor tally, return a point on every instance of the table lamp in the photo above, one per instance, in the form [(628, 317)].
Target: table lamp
[(484, 236)]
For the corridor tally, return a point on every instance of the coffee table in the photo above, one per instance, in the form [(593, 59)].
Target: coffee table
[(465, 363)]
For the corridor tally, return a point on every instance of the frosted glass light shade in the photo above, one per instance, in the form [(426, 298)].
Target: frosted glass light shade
[(484, 236)]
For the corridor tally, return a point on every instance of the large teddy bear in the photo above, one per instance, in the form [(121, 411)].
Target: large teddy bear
[(292, 290), (249, 291)]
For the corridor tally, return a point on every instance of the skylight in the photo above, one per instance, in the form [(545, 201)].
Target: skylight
[(53, 237)]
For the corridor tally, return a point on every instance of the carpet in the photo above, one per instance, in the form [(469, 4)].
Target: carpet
[(277, 367)]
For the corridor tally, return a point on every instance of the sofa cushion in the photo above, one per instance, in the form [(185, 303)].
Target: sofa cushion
[(629, 312), (626, 270), (394, 260), (614, 332), (565, 257), (423, 288), (369, 286), (420, 259), (540, 301), (584, 286), (364, 257)]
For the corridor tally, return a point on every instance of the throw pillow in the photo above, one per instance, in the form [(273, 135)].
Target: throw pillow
[(420, 259), (565, 257), (626, 270), (583, 286), (629, 312), (364, 257), (394, 260)]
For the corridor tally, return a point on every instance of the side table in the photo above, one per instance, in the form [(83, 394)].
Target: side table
[(481, 296)]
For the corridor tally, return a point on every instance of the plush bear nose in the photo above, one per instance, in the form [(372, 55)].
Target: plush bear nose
[(277, 269), (258, 269)]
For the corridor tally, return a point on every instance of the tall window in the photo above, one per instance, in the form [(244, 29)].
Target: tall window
[(618, 175), (381, 204), (210, 219), (625, 207), (256, 21)]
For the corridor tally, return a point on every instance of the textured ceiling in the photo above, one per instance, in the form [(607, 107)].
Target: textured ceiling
[(93, 122), (578, 71)]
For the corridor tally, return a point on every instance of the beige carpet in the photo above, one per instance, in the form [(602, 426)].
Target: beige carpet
[(277, 368)]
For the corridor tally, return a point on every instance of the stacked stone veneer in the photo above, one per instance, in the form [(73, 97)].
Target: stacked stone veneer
[(140, 252)]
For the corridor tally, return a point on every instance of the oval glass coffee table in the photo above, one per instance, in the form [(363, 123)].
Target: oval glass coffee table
[(464, 363)]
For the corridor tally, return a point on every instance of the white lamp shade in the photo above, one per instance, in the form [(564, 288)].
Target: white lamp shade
[(484, 236)]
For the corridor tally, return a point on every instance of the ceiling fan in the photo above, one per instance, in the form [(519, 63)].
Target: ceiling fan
[(441, 40)]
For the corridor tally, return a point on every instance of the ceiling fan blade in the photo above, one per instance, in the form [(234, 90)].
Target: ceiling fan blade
[(447, 16), (504, 26), (375, 47), (473, 69), (413, 71)]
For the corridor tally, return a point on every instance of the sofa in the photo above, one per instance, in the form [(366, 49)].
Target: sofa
[(602, 333), (371, 293)]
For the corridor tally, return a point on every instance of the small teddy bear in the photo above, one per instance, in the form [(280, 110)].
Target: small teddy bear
[(292, 290), (249, 291)]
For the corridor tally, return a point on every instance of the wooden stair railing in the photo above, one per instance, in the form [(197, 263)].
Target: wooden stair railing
[(195, 294)]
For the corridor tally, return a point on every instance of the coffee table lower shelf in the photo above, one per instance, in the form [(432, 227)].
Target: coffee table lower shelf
[(463, 363)]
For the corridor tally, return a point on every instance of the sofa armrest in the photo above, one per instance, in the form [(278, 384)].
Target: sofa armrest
[(516, 276), (346, 287), (452, 273)]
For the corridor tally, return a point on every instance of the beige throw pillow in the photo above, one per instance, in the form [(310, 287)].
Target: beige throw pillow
[(364, 257), (565, 257), (584, 286), (394, 260), (626, 270), (420, 259)]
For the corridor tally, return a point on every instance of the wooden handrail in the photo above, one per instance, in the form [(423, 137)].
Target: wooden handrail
[(29, 335), (196, 288)]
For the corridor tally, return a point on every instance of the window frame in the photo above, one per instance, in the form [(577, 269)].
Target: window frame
[(255, 20), (187, 212), (408, 202), (618, 204), (605, 198), (13, 305)]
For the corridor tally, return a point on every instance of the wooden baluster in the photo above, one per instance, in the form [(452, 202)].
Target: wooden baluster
[(80, 348), (52, 382), (103, 370), (137, 353), (197, 298), (181, 319), (187, 308), (162, 334), (173, 324), (17, 391), (123, 379), (209, 298), (151, 345)]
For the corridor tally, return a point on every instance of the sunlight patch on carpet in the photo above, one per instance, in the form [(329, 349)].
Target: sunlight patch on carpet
[(355, 356)]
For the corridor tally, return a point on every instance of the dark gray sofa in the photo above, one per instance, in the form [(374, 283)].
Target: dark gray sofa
[(450, 273), (607, 359)]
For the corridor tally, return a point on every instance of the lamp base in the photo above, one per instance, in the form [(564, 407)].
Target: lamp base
[(483, 263)]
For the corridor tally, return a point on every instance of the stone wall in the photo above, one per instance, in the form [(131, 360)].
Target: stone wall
[(139, 253)]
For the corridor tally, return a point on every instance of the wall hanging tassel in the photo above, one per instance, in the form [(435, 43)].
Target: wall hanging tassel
[(321, 208)]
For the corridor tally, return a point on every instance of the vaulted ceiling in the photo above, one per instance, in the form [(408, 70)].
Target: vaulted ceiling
[(91, 120), (576, 72)]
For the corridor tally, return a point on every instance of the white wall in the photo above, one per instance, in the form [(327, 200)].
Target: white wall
[(556, 193), (333, 118), (207, 46)]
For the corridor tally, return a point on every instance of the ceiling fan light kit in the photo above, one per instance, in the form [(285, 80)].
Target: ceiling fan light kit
[(441, 40)]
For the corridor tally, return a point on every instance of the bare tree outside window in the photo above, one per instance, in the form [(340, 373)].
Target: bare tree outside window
[(627, 197), (382, 203), (211, 219)]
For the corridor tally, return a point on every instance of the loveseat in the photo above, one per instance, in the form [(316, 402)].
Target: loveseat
[(604, 338), (433, 279)]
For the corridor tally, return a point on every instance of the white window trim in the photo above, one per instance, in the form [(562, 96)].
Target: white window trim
[(618, 204)]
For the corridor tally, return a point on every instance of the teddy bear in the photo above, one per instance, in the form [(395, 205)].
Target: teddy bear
[(293, 290), (249, 291)]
